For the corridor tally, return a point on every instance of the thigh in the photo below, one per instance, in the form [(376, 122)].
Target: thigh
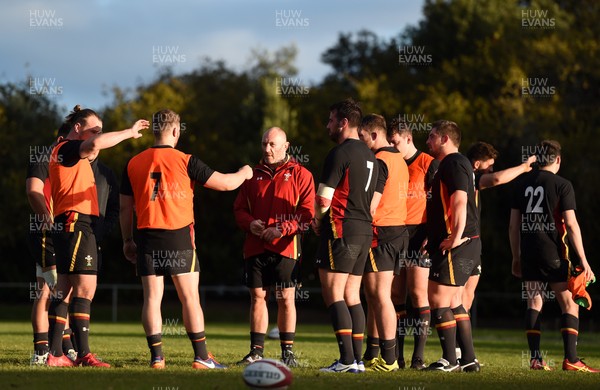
[(399, 287), (187, 285), (166, 252), (417, 281), (76, 252), (154, 287), (333, 285), (441, 295), (347, 254), (546, 270), (352, 290), (454, 267), (84, 285), (390, 249), (284, 272), (564, 297), (41, 248), (417, 235), (254, 271)]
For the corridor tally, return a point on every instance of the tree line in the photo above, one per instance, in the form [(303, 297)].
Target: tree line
[(508, 72)]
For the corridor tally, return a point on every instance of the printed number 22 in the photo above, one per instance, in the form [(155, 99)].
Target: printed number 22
[(537, 192), (155, 176), (370, 168)]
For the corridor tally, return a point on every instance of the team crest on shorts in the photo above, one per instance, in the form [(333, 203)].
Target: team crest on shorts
[(88, 260)]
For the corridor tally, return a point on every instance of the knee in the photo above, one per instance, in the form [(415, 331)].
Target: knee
[(190, 299), (85, 293), (258, 300), (288, 303), (535, 303), (570, 307), (153, 301)]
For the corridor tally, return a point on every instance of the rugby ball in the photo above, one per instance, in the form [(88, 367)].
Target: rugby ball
[(267, 374)]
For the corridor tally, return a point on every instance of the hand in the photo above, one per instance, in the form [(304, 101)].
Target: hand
[(316, 226), (248, 172), (528, 163), (130, 251), (452, 242), (270, 234), (587, 270), (424, 245), (516, 268), (257, 227), (139, 125)]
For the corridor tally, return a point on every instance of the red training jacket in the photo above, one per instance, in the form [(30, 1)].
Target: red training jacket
[(283, 199)]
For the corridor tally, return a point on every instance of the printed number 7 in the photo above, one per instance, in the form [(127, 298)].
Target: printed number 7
[(155, 176), (370, 168)]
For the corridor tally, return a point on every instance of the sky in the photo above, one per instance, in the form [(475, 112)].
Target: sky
[(74, 51)]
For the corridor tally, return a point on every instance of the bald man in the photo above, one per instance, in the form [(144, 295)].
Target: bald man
[(274, 209)]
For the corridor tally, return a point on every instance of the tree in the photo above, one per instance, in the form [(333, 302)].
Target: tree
[(29, 122)]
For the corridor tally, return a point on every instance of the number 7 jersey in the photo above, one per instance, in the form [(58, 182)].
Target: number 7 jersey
[(161, 181), (351, 169), (542, 197)]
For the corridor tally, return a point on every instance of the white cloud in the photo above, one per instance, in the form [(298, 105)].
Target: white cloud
[(107, 42)]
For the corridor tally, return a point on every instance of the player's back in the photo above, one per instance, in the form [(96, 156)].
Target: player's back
[(391, 210), (418, 185), (541, 197), (162, 188)]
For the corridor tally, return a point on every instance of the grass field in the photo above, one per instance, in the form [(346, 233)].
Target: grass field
[(502, 352)]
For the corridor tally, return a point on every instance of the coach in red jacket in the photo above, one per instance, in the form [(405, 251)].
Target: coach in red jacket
[(274, 208)]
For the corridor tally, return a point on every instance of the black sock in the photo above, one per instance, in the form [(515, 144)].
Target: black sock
[(79, 315), (257, 342), (445, 324), (286, 341), (532, 328), (358, 329), (401, 330), (40, 343), (155, 345), (57, 318), (464, 335), (570, 329), (388, 350), (342, 326), (372, 350), (424, 319), (199, 344), (73, 340), (66, 342)]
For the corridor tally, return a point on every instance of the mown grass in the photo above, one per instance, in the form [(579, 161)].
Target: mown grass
[(502, 352)]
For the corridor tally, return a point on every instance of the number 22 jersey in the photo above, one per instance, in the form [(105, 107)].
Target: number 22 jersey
[(542, 197)]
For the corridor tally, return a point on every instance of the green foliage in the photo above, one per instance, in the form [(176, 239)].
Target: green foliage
[(27, 121), (481, 57)]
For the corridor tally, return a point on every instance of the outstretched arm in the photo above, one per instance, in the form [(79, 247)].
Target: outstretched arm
[(229, 181), (90, 147), (502, 177)]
